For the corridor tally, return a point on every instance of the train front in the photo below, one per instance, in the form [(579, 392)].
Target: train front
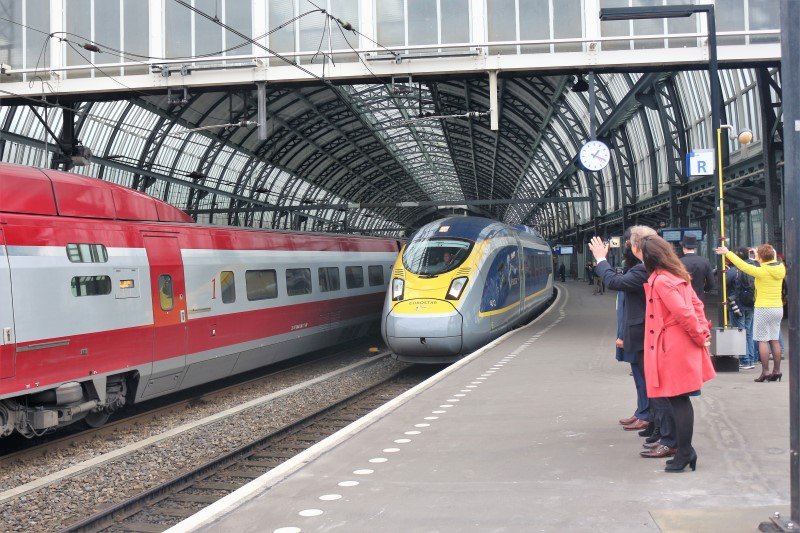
[(421, 315)]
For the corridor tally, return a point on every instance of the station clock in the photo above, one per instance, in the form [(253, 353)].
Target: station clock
[(594, 155)]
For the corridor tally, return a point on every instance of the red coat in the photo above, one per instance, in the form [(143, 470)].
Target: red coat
[(676, 360)]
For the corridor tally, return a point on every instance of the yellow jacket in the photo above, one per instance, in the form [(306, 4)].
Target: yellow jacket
[(768, 279)]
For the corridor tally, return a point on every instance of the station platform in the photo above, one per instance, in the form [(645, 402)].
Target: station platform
[(523, 436)]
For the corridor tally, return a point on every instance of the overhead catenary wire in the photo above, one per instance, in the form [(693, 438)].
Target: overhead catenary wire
[(95, 47)]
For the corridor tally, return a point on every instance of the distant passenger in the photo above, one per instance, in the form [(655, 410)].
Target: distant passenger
[(699, 267), (562, 272), (741, 295)]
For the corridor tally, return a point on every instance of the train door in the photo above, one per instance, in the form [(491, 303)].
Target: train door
[(7, 346), (167, 286)]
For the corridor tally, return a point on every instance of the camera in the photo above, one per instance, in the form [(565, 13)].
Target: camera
[(734, 307), (751, 254)]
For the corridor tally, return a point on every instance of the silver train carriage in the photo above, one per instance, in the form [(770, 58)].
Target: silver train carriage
[(461, 282)]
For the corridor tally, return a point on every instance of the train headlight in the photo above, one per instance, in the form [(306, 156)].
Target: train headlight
[(397, 289), (456, 288)]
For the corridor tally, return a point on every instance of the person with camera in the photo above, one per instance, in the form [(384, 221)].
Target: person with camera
[(768, 311), (741, 301)]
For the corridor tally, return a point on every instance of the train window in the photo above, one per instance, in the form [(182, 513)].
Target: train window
[(165, 296), (502, 281), (329, 279), (261, 284), (536, 270), (87, 253), (91, 285), (375, 273), (227, 284), (430, 257), (354, 276), (298, 281)]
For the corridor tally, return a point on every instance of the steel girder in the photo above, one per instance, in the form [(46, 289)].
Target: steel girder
[(498, 162), (673, 126), (12, 111), (772, 142), (273, 151), (615, 121)]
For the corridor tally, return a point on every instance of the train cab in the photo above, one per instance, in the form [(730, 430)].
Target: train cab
[(460, 282)]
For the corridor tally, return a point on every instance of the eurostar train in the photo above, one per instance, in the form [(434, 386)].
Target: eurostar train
[(110, 297), (461, 282)]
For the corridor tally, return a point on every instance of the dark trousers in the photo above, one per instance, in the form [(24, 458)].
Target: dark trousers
[(683, 413), (661, 411), (642, 401)]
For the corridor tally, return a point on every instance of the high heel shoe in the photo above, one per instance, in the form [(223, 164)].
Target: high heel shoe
[(775, 377), (762, 378), (678, 465)]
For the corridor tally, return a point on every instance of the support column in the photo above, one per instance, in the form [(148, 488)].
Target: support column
[(769, 158), (790, 78)]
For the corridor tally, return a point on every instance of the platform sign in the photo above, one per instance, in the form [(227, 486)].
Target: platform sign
[(701, 162), (563, 249), (677, 234)]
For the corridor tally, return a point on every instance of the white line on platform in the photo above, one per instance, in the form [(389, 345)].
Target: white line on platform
[(285, 469)]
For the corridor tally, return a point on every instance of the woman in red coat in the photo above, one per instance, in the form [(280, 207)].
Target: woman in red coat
[(676, 359)]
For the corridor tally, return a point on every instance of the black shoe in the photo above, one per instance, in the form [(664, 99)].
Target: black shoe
[(655, 437), (648, 431), (678, 465)]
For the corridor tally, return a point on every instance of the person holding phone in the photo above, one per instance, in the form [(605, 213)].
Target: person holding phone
[(768, 311)]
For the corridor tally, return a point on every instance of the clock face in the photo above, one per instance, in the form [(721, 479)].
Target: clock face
[(594, 156)]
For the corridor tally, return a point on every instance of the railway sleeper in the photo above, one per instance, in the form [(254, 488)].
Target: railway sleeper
[(35, 414)]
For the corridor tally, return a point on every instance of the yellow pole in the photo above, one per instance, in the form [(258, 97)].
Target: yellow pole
[(722, 230)]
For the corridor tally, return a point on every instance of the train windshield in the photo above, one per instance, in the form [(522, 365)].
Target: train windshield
[(431, 257)]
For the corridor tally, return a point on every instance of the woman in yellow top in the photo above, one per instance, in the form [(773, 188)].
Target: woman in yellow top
[(769, 305)]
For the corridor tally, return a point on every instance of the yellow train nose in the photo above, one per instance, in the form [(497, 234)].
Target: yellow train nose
[(423, 306)]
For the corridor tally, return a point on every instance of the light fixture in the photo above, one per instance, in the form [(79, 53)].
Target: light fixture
[(580, 85), (745, 136)]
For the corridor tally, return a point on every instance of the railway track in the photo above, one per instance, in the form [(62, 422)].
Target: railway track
[(21, 449), (167, 504)]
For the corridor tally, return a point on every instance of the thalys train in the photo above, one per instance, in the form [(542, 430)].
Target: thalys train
[(110, 297), (461, 282)]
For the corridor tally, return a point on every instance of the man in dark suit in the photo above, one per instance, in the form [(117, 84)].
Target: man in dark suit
[(698, 266), (631, 283)]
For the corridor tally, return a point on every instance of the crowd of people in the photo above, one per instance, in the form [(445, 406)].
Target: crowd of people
[(664, 335)]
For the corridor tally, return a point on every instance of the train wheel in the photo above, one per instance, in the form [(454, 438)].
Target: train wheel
[(96, 419)]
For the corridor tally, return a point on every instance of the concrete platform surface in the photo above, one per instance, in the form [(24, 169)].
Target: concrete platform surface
[(523, 436)]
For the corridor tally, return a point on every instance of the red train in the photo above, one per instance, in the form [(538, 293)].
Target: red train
[(110, 297)]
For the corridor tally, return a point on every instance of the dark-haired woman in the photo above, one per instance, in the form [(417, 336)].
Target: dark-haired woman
[(676, 359), (768, 308)]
